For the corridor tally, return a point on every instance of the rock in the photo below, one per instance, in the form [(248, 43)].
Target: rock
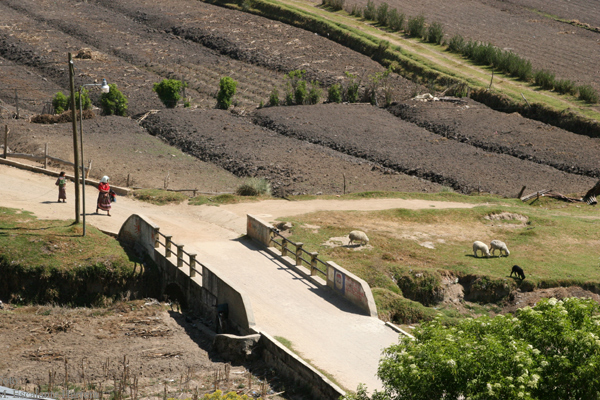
[(236, 348)]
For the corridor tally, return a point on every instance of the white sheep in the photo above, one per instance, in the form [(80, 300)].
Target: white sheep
[(358, 236), (477, 245), (498, 245)]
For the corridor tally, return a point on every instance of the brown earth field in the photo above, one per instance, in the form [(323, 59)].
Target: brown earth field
[(521, 26), (165, 352)]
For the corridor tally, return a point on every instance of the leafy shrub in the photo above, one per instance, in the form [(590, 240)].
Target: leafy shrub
[(370, 12), (435, 33), (60, 102), (544, 79), (335, 5), (395, 20), (548, 351), (588, 94), (458, 90), (169, 91), (456, 44), (416, 26), (289, 98), (218, 395), (314, 96), (301, 93), (254, 187), (334, 93), (352, 88), (564, 86), (274, 97), (114, 102), (356, 11), (227, 88), (86, 103), (382, 14)]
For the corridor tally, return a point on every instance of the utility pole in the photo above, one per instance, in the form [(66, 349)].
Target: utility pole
[(75, 141)]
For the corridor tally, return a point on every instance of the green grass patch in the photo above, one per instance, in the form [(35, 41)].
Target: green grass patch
[(50, 261), (555, 243), (159, 197), (226, 198)]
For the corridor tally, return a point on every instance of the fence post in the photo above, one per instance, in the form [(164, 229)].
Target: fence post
[(5, 140), (156, 238), (192, 265), (313, 263), (299, 253), (46, 156), (168, 242), (179, 255), (283, 247)]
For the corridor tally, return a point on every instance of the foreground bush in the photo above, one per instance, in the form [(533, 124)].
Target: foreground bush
[(370, 11), (544, 79), (335, 5), (549, 352), (416, 26), (435, 33)]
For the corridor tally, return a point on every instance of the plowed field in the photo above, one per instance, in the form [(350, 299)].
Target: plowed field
[(300, 149)]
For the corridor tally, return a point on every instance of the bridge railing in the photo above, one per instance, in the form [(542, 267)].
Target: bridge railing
[(286, 246), (168, 245)]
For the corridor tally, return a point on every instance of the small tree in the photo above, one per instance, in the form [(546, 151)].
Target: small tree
[(60, 102), (114, 102), (334, 93), (227, 87), (351, 93), (274, 97), (169, 91), (86, 103), (314, 96)]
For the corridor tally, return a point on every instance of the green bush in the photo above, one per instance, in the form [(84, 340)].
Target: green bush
[(226, 92), (549, 351), (218, 395), (588, 94), (395, 20), (352, 88), (169, 91), (254, 187), (314, 96), (60, 102), (382, 14), (435, 33), (334, 93), (301, 93), (86, 103), (114, 102), (296, 92), (274, 97), (335, 5), (456, 44), (416, 26), (370, 11), (356, 11), (544, 79), (564, 86)]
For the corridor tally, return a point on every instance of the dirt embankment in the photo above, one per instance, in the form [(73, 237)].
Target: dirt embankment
[(376, 135)]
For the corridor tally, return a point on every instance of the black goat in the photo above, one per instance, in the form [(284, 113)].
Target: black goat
[(518, 271)]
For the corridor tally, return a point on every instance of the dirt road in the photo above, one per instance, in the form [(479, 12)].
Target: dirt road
[(321, 327)]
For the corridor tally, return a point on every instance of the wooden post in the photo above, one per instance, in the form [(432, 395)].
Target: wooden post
[(313, 262), (6, 130), (168, 242), (89, 168), (299, 253), (127, 180), (344, 183), (17, 102), (192, 265), (156, 238), (283, 247), (75, 140), (179, 255), (521, 192), (46, 156)]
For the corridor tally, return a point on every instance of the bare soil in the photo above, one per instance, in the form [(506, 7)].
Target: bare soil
[(162, 349)]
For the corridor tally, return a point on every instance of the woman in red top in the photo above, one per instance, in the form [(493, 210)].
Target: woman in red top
[(103, 196)]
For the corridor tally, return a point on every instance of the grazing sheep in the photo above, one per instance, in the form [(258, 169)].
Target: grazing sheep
[(358, 236), (498, 245), (477, 245), (518, 271)]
